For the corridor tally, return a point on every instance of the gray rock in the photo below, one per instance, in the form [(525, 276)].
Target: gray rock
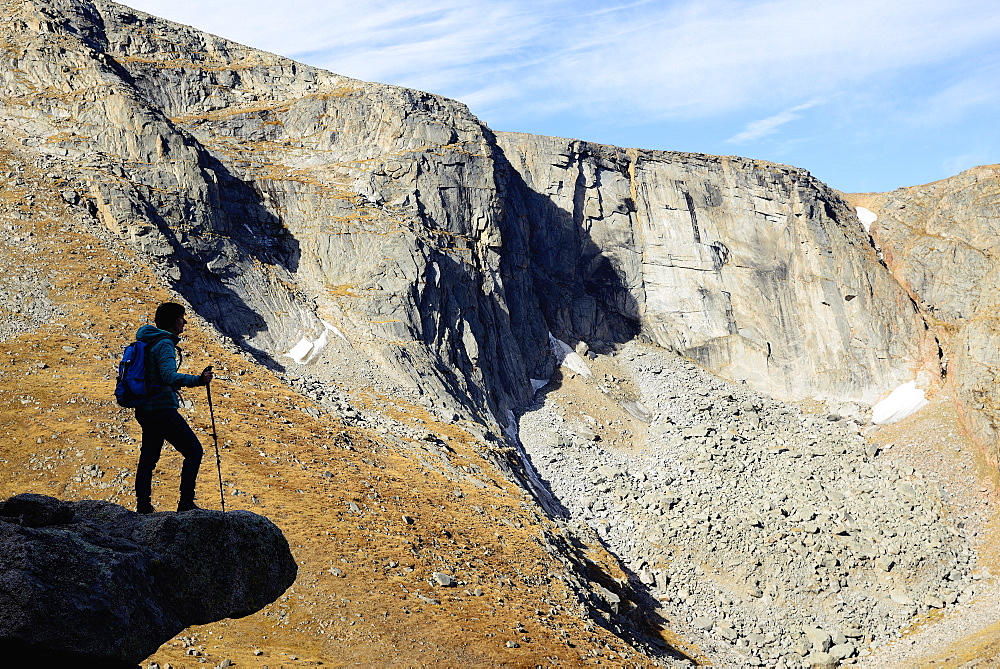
[(818, 639), (444, 580), (727, 632), (93, 582), (816, 660), (901, 597), (842, 651)]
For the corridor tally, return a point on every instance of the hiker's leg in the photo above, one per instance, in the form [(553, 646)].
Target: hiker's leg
[(149, 455), (181, 437)]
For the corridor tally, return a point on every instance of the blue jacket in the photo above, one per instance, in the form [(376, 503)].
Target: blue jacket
[(161, 369)]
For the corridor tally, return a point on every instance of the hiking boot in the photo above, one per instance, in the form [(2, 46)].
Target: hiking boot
[(144, 508), (188, 506)]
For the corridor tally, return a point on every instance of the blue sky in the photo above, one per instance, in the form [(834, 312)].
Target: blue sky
[(869, 95)]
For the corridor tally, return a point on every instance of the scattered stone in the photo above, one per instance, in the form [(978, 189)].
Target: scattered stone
[(703, 623), (816, 660), (444, 580), (842, 651)]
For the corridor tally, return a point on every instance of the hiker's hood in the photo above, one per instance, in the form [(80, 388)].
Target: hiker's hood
[(147, 332)]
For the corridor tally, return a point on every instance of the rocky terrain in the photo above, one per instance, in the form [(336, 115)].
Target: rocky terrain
[(92, 583), (376, 494), (512, 399), (778, 536)]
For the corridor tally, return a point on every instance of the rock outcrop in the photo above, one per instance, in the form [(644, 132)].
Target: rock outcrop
[(91, 582), (942, 243), (292, 206)]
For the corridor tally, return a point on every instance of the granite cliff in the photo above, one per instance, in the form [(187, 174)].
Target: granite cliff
[(940, 242)]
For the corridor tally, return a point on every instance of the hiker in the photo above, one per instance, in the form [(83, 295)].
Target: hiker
[(158, 416)]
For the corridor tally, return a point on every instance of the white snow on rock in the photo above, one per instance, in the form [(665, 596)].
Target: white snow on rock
[(334, 329), (306, 350), (904, 401), (300, 351), (567, 357), (538, 384), (867, 217)]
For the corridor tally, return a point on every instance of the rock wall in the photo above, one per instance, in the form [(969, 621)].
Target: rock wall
[(757, 271), (942, 243), (291, 205), (284, 201)]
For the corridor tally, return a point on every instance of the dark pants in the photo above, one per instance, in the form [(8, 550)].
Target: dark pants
[(168, 425)]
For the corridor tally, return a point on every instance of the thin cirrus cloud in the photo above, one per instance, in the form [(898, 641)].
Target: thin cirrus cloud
[(705, 58), (668, 59), (703, 74), (768, 126)]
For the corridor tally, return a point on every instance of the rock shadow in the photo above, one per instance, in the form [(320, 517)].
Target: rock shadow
[(207, 259), (571, 280)]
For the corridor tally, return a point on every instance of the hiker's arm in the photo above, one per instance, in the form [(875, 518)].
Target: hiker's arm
[(166, 363)]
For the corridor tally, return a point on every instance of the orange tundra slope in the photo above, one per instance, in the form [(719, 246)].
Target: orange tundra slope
[(368, 524)]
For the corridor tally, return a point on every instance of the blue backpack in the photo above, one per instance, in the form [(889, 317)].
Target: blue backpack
[(132, 390)]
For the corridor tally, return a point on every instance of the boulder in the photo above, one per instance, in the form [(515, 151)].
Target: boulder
[(92, 582)]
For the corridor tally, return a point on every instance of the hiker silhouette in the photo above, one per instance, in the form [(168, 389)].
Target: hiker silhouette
[(158, 415)]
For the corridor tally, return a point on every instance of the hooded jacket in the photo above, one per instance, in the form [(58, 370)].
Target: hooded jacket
[(161, 368)]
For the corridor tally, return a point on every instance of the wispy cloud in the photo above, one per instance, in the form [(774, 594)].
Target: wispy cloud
[(665, 59), (768, 126), (956, 164), (564, 64), (975, 88)]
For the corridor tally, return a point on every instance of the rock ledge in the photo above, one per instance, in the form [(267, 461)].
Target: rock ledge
[(93, 582)]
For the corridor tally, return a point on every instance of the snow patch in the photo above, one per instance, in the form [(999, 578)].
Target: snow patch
[(567, 357), (867, 217), (306, 351), (538, 384), (904, 401), (318, 345), (333, 328), (300, 351)]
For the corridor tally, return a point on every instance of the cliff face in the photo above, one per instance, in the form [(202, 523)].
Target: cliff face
[(275, 195), (757, 271), (941, 242), (289, 204)]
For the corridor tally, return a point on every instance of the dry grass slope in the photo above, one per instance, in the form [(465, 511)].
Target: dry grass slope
[(367, 524)]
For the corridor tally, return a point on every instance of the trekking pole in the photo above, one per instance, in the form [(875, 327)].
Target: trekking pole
[(215, 438)]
